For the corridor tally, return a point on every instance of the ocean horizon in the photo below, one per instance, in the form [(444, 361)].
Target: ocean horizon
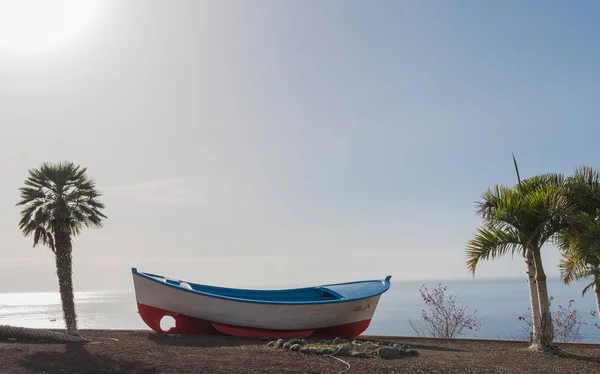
[(499, 303)]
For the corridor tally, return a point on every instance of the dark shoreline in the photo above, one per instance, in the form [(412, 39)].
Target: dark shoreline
[(143, 351)]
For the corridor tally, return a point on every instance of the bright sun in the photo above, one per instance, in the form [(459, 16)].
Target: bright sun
[(33, 26)]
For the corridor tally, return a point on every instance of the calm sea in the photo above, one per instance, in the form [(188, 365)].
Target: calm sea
[(499, 304)]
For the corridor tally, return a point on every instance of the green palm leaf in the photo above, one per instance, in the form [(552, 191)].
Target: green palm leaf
[(491, 243), (587, 288), (580, 240), (59, 195)]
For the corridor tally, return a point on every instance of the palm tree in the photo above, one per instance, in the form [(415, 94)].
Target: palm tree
[(492, 236), (57, 201), (580, 242), (521, 220), (582, 263)]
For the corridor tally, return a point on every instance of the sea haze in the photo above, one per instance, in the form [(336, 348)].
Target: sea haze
[(499, 302)]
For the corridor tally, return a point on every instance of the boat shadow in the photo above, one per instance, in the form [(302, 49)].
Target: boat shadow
[(77, 359), (206, 341)]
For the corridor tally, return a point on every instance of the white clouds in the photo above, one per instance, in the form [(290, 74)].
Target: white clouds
[(172, 191)]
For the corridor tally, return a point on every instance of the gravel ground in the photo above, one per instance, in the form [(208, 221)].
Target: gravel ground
[(147, 352)]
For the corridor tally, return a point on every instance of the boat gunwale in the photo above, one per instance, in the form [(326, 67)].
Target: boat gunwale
[(386, 287)]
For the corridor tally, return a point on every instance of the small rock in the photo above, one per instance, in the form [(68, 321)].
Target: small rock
[(313, 351), (287, 345), (295, 341), (272, 344), (279, 344), (356, 342), (358, 354), (387, 352), (337, 340), (342, 351), (304, 350), (303, 342), (412, 352), (326, 351), (295, 347)]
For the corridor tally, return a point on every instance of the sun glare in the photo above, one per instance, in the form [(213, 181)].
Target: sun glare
[(34, 26)]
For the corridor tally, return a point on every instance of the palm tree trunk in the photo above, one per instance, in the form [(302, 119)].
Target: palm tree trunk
[(533, 295), (546, 336), (64, 270), (45, 335), (597, 292)]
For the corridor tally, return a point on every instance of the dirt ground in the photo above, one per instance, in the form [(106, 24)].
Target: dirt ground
[(147, 352)]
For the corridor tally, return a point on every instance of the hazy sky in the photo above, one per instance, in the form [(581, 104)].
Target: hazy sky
[(278, 142)]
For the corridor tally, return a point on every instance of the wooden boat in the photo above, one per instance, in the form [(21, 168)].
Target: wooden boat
[(340, 310)]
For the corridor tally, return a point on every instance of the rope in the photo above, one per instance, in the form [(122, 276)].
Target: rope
[(113, 339), (333, 356)]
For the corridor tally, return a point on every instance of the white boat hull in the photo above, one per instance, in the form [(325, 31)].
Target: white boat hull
[(265, 316)]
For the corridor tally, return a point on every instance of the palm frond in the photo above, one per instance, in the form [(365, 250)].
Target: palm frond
[(572, 268), (587, 288), (41, 235), (517, 169), (584, 189), (525, 216), (57, 196), (494, 203), (37, 235), (490, 243)]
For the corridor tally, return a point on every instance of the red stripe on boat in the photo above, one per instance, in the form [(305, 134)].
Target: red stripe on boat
[(190, 325)]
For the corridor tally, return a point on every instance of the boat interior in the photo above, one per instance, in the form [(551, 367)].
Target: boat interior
[(323, 293), (300, 294)]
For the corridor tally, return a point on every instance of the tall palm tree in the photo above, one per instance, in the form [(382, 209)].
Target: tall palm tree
[(580, 242), (493, 235), (57, 201), (522, 220)]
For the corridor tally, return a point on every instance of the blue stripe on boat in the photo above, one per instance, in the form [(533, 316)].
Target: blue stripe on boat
[(332, 293)]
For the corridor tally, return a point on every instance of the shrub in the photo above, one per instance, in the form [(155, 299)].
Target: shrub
[(567, 322), (443, 317)]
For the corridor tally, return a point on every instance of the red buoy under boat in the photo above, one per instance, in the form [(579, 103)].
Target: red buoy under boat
[(340, 310)]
